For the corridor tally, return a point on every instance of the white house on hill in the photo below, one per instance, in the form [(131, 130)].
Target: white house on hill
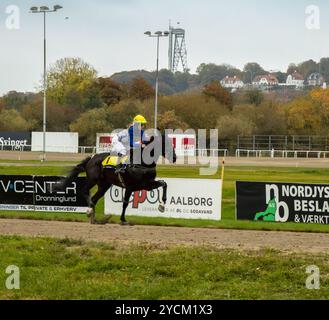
[(295, 79), (232, 82), (315, 79), (265, 80)]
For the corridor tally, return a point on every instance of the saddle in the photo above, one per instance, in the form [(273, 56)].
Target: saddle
[(112, 162)]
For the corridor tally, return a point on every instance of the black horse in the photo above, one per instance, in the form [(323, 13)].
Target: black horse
[(136, 177)]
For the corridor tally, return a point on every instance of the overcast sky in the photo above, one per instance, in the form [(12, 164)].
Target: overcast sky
[(109, 34)]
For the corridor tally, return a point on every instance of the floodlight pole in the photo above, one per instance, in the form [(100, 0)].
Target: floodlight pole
[(44, 122), (157, 35), (44, 10), (156, 87)]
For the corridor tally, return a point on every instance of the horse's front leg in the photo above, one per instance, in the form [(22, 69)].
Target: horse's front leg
[(127, 196)]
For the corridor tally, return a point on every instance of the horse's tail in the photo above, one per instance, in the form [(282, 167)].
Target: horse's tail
[(74, 173), (80, 168)]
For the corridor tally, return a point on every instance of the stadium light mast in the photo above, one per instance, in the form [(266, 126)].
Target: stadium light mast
[(44, 10), (157, 35)]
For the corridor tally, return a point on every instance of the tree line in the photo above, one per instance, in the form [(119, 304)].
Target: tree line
[(80, 101)]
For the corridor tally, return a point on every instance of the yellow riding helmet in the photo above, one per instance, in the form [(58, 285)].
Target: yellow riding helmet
[(140, 119)]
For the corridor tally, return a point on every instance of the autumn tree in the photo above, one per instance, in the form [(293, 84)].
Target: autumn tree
[(196, 110), (140, 89), (292, 68), (254, 96), (70, 82), (110, 92), (321, 97), (11, 120), (59, 117), (2, 105), (123, 113), (90, 123), (324, 68), (281, 76), (251, 70), (182, 81), (230, 127), (304, 117), (169, 120), (308, 67), (216, 91), (17, 100), (270, 119)]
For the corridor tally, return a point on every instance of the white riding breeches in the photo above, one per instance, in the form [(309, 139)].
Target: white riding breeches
[(119, 148)]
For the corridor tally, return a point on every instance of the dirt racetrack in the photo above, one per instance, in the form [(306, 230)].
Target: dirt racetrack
[(169, 236)]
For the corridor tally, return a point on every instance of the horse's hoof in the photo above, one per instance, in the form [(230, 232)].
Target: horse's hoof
[(90, 212), (124, 223), (162, 208)]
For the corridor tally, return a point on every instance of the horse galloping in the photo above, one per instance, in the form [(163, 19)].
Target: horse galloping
[(136, 177)]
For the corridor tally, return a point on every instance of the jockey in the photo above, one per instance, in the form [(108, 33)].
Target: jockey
[(129, 140)]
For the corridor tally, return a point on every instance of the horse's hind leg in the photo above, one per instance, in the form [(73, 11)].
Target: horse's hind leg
[(156, 185), (164, 186)]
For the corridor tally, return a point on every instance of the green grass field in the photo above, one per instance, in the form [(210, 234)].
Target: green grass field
[(232, 174), (66, 269)]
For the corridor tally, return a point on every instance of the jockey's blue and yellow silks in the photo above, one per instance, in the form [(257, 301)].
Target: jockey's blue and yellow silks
[(136, 136), (129, 139)]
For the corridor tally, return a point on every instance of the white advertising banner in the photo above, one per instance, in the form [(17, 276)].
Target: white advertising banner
[(187, 199), (62, 142)]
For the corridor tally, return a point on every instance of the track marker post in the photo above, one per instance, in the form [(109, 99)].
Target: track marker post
[(223, 173)]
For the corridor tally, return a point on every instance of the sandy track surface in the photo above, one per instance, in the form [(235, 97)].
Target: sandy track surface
[(169, 236)]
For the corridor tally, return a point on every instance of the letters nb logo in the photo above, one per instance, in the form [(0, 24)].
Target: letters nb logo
[(281, 208)]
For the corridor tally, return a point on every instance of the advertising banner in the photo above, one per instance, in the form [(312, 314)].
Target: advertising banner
[(282, 202), (187, 199), (33, 193), (103, 142), (15, 141), (69, 200), (61, 142), (16, 193), (184, 144)]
